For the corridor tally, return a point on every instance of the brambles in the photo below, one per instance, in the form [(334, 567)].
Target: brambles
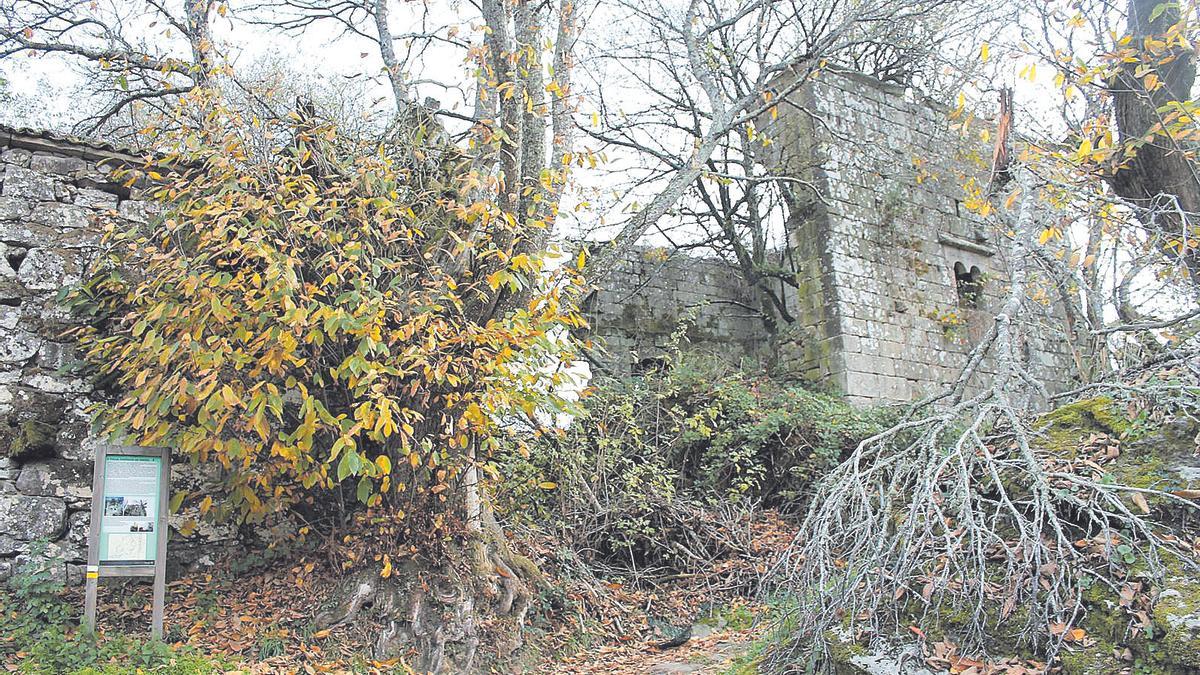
[(660, 474)]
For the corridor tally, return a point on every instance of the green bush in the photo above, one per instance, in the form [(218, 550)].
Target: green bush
[(656, 459), (39, 633)]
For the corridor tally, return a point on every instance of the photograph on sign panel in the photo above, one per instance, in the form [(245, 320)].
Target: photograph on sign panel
[(134, 507)]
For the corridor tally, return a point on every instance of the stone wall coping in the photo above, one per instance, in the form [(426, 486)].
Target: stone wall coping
[(41, 140)]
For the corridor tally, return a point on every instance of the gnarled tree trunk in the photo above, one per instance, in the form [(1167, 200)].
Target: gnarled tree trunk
[(1161, 179), (435, 616)]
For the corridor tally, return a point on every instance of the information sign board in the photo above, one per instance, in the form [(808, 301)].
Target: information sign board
[(128, 537), (127, 522)]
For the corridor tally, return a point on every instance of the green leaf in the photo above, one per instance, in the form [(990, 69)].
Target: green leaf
[(177, 501), (346, 466)]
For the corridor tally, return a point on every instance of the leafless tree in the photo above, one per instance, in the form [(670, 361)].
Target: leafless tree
[(140, 52), (708, 77), (961, 504)]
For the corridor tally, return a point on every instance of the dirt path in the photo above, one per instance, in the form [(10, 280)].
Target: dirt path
[(713, 654)]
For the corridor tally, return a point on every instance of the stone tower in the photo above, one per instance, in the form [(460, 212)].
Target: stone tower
[(896, 279)]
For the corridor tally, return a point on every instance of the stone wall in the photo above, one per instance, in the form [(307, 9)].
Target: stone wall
[(883, 317), (875, 244), (651, 293), (53, 193)]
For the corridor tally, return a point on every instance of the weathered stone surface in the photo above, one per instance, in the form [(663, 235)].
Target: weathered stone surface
[(18, 346), (55, 356), (54, 478), (138, 211), (58, 164), (78, 524), (27, 517), (24, 233), (81, 243), (13, 208), (95, 199), (18, 156), (9, 545), (61, 216), (31, 425), (57, 384), (10, 255), (22, 182), (45, 270), (74, 442)]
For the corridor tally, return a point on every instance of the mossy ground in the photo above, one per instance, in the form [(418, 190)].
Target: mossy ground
[(1147, 455)]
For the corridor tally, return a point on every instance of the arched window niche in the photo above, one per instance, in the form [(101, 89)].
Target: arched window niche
[(969, 284)]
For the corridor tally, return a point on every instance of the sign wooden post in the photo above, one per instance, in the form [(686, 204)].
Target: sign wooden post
[(128, 534)]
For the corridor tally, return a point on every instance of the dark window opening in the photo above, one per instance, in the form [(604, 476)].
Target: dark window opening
[(649, 365), (969, 284)]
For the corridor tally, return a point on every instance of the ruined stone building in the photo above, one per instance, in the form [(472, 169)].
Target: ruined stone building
[(894, 282), (895, 277)]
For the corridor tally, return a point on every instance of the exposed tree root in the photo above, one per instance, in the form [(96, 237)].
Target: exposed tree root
[(436, 617)]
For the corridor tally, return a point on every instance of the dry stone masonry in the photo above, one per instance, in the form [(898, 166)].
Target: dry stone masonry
[(53, 193)]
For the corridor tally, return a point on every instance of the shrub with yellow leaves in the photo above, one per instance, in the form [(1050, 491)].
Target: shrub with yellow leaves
[(314, 311)]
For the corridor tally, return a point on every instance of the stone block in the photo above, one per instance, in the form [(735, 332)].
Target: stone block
[(55, 478), (61, 216), (21, 182), (45, 270), (76, 443), (29, 517), (18, 346), (14, 208), (95, 199), (15, 156), (85, 240), (53, 384), (56, 356), (138, 211), (57, 164), (23, 233)]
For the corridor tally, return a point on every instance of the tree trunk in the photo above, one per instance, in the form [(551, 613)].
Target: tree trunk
[(1161, 179), (435, 617)]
